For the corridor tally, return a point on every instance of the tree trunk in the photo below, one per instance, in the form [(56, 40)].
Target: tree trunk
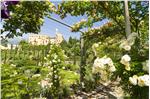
[(127, 19)]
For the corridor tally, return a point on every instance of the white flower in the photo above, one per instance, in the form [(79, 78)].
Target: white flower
[(15, 73), (94, 46), (50, 84), (126, 58), (146, 66), (108, 61), (48, 67), (46, 64), (95, 69), (50, 74), (51, 68), (127, 47), (55, 76), (127, 67), (55, 56), (50, 62), (82, 84), (20, 82), (59, 60), (68, 80), (47, 79), (39, 64), (104, 75), (131, 38), (112, 69), (125, 61), (75, 73), (124, 44), (13, 65), (143, 80), (146, 78), (45, 58), (99, 63), (133, 80), (54, 61), (36, 75), (44, 83), (48, 55)]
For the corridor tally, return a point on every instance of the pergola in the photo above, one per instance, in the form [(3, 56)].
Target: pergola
[(82, 53)]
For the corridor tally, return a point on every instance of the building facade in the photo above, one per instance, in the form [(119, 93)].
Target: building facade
[(39, 39)]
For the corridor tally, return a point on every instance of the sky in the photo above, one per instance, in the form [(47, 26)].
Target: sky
[(49, 27)]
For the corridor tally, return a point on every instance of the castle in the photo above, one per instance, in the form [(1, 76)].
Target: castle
[(40, 39)]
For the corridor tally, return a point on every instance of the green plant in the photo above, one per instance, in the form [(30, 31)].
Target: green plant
[(61, 75)]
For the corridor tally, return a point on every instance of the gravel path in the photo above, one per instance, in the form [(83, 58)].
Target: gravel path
[(111, 90)]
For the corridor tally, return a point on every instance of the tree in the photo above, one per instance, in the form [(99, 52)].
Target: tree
[(111, 34), (71, 48), (98, 10), (26, 17), (4, 41)]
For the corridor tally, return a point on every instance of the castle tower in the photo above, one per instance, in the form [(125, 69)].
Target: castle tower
[(59, 37)]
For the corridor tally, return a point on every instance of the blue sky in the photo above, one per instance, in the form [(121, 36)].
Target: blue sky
[(49, 27)]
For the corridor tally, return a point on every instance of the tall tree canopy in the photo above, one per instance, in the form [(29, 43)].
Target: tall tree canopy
[(112, 10), (26, 17)]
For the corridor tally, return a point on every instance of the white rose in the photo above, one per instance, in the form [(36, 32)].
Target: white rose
[(104, 76), (133, 80), (44, 83), (112, 69), (127, 47), (146, 77), (105, 60), (125, 61), (146, 66), (99, 63), (143, 80), (127, 67), (126, 58)]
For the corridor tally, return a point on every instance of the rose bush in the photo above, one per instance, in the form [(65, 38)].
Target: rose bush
[(127, 64)]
